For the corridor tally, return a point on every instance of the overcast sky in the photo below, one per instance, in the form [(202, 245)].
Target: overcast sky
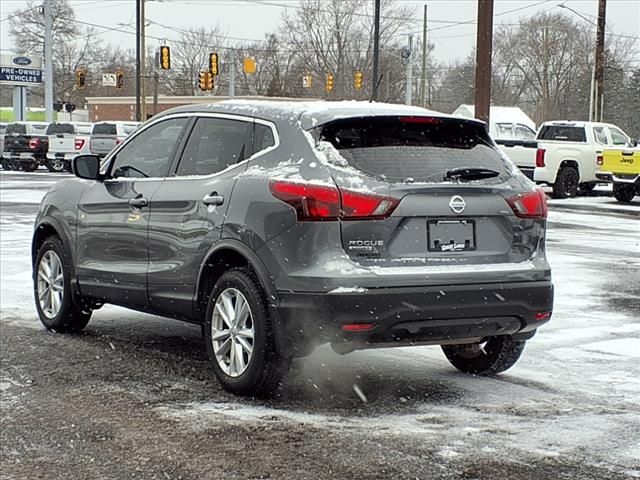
[(251, 19)]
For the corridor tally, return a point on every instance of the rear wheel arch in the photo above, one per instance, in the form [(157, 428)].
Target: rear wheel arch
[(569, 163), (226, 255)]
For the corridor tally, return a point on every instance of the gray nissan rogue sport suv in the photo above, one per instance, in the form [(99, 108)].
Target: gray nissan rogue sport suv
[(282, 226)]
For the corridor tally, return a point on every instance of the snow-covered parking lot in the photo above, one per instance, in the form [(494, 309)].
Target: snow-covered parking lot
[(132, 398)]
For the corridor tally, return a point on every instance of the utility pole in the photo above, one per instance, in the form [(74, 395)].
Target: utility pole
[(599, 70), (143, 68), (156, 81), (48, 61), (409, 71), (232, 73), (138, 37), (483, 60), (376, 46), (423, 76)]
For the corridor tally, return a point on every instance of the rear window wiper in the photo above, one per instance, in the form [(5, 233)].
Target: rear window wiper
[(470, 173)]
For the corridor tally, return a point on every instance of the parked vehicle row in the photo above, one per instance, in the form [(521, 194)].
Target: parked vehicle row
[(28, 145), (565, 155)]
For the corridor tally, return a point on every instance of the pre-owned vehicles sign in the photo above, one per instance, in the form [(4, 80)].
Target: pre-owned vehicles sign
[(20, 70)]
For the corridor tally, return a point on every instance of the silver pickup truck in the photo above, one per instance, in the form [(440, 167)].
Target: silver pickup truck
[(106, 135)]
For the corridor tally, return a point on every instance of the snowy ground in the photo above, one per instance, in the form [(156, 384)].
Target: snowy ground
[(132, 398)]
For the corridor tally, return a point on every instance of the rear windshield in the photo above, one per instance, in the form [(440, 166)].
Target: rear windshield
[(16, 128), (129, 128), (55, 128), (84, 129), (562, 133), (412, 148), (104, 129), (38, 128)]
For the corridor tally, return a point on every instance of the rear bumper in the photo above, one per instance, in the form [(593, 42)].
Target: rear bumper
[(67, 157), (618, 178), (429, 315), (22, 157)]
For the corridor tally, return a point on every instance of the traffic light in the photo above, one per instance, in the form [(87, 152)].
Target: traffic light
[(328, 84), (81, 79), (119, 79), (205, 80), (165, 58), (357, 80), (213, 63)]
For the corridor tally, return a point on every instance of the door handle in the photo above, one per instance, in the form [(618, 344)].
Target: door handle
[(138, 202), (213, 199)]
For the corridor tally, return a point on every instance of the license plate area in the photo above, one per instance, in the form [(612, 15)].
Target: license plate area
[(457, 235)]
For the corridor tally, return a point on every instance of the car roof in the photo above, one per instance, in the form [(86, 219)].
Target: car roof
[(309, 113)]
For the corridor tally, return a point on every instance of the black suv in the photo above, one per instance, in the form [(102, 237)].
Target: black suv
[(282, 226)]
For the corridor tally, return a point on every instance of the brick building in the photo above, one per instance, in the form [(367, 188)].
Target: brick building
[(124, 108)]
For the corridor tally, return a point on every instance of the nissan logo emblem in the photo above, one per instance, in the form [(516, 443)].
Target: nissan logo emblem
[(457, 204), (22, 61)]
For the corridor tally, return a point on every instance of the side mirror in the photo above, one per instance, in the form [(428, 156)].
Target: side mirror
[(86, 166), (633, 143)]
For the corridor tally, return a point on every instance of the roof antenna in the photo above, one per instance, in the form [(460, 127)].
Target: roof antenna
[(375, 89)]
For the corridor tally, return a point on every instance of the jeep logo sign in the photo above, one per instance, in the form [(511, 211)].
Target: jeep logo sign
[(22, 61)]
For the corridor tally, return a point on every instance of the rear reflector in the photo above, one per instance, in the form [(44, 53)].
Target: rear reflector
[(540, 157), (531, 204), (34, 143), (78, 143), (358, 327), (540, 316), (325, 202)]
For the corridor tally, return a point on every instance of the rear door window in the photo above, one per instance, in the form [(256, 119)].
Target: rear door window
[(215, 144), (600, 135), (562, 133), (420, 149), (104, 129)]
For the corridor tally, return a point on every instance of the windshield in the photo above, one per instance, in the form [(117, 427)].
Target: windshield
[(56, 128), (412, 148), (104, 129)]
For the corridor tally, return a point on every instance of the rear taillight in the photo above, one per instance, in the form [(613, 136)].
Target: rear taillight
[(599, 160), (540, 157), (34, 143), (325, 202), (531, 204), (427, 120), (118, 141), (78, 143)]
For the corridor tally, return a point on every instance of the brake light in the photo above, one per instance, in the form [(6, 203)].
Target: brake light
[(118, 141), (540, 316), (540, 157), (429, 120), (34, 143), (599, 160), (531, 204), (325, 202), (79, 143)]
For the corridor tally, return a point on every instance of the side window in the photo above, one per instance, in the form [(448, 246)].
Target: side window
[(214, 144), (262, 138), (525, 133), (150, 153), (600, 135), (617, 137)]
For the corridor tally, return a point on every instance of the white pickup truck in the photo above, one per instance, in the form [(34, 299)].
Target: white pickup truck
[(67, 141), (565, 154)]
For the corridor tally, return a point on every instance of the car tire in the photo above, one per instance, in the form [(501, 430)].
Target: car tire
[(30, 166), (58, 310), (56, 166), (493, 356), (240, 339), (566, 185), (624, 192), (6, 165)]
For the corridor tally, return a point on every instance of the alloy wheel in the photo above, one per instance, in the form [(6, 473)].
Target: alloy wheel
[(50, 284), (232, 332)]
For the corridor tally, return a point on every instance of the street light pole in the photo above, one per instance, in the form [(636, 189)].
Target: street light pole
[(599, 73), (48, 61)]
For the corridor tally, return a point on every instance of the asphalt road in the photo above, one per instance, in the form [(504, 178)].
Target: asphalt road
[(132, 397)]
